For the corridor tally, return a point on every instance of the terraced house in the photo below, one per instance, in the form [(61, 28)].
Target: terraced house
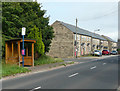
[(64, 43), (112, 45)]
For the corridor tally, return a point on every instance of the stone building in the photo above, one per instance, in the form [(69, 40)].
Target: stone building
[(112, 45), (64, 43)]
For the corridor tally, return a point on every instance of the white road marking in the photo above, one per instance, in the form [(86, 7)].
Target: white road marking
[(93, 67), (104, 63), (35, 88), (73, 75)]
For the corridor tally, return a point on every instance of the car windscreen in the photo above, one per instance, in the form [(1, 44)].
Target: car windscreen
[(113, 51), (96, 51), (105, 50)]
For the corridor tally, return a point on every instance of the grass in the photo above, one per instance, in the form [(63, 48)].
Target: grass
[(62, 64), (71, 62), (65, 64), (68, 63), (47, 60), (11, 69), (0, 69)]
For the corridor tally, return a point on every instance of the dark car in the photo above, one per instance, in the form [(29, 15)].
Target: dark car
[(105, 52), (114, 52)]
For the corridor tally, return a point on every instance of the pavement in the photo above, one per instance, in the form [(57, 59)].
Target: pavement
[(98, 73), (87, 59)]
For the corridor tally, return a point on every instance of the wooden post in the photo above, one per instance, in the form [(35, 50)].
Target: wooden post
[(6, 52), (33, 54), (12, 48), (19, 53), (27, 51)]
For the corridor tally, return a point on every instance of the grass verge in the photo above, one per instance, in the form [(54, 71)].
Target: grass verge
[(65, 64), (10, 69), (47, 60)]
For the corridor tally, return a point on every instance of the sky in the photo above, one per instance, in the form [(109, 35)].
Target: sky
[(91, 15)]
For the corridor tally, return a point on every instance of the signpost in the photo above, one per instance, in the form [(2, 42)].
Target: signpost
[(23, 50)]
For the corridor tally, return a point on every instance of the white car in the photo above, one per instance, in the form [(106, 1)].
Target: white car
[(97, 53), (114, 52)]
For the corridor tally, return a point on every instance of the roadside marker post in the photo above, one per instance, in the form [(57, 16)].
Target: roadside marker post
[(23, 50)]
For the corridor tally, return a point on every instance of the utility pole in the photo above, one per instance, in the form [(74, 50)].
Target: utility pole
[(76, 49)]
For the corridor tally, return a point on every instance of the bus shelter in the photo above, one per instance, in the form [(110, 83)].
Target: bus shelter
[(13, 48)]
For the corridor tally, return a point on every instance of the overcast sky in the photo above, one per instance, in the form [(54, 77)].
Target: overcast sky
[(91, 15)]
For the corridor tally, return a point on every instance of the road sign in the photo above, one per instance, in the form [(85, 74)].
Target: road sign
[(23, 30), (23, 52)]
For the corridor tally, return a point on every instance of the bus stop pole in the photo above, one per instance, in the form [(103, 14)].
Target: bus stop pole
[(23, 55)]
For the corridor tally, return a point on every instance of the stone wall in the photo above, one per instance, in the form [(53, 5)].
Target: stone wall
[(62, 43), (85, 49), (106, 44), (95, 42)]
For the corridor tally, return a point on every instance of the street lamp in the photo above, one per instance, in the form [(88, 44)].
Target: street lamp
[(96, 30), (23, 50)]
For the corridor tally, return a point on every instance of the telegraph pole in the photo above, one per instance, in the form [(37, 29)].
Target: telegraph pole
[(76, 49)]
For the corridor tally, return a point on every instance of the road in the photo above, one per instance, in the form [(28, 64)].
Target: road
[(99, 74)]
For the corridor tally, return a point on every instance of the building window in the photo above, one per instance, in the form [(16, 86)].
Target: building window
[(78, 37), (75, 36), (88, 38), (83, 38)]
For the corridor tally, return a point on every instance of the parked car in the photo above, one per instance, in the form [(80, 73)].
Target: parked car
[(114, 52), (105, 52), (97, 53)]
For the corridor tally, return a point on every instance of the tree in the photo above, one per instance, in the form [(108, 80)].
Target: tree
[(36, 34), (20, 14)]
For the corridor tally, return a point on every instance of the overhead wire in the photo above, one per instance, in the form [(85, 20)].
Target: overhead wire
[(111, 11)]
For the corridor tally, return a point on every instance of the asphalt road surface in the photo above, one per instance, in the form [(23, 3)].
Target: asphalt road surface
[(99, 74)]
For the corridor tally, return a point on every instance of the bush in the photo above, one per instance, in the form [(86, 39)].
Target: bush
[(46, 60)]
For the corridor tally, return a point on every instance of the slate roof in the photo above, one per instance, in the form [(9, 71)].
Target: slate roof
[(82, 31), (109, 38)]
